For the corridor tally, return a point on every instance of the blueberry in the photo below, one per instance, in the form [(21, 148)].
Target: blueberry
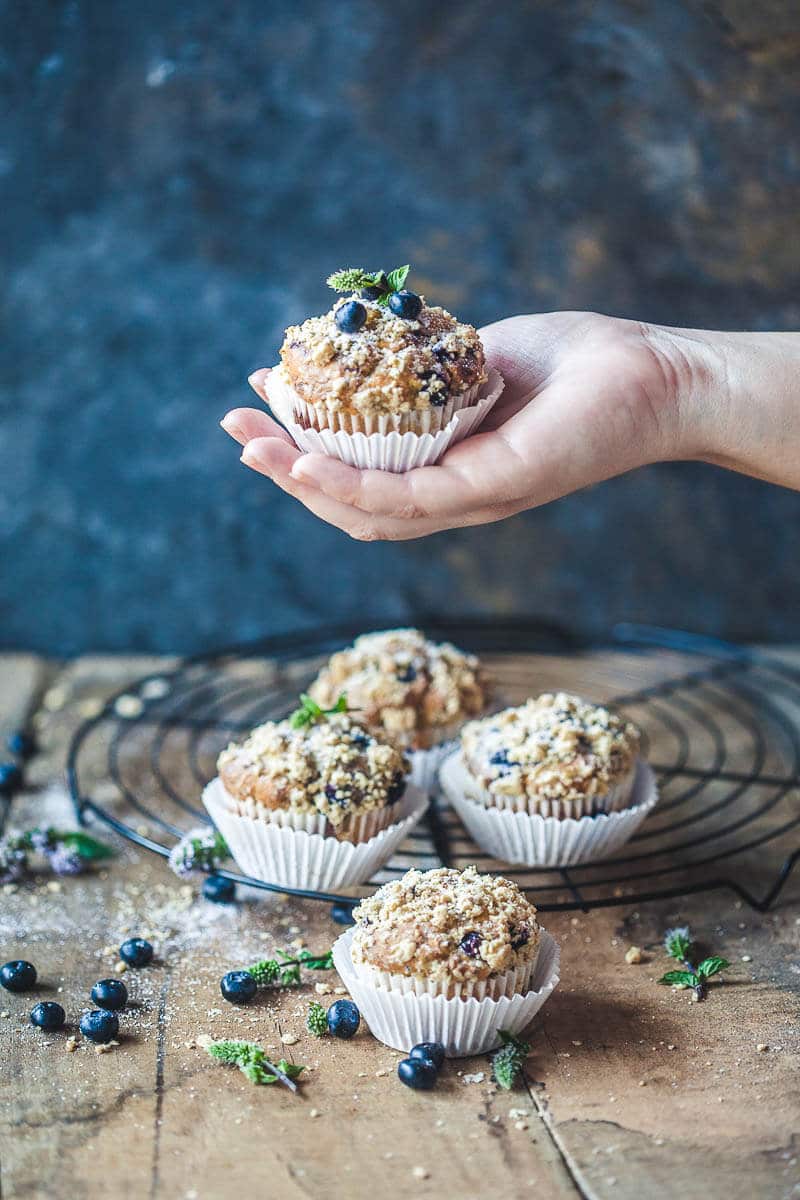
[(372, 293), (99, 1025), (350, 316), (471, 944), (361, 740), (520, 937), (10, 778), (342, 914), (397, 788), (343, 1018), (418, 1073), (18, 975), (48, 1015), (430, 1051), (499, 758), (21, 743), (407, 674), (136, 952), (405, 304), (110, 993), (238, 987), (218, 889)]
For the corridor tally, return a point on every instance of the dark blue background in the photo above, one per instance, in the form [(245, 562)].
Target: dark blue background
[(177, 181)]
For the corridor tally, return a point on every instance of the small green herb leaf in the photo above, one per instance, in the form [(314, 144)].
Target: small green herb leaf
[(316, 1020), (253, 1062), (678, 942), (396, 278), (351, 279), (85, 847), (680, 979), (507, 1062), (712, 966), (264, 972), (310, 712)]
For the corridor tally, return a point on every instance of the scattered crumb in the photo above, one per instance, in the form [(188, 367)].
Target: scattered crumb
[(314, 1112), (105, 1047), (322, 989), (518, 1114), (478, 1077), (670, 1046), (289, 1039), (53, 885), (381, 1073), (762, 1047), (641, 1083), (203, 1041), (340, 991), (520, 1125), (421, 1173), (747, 958), (128, 706), (71, 1044), (633, 955), (120, 967)]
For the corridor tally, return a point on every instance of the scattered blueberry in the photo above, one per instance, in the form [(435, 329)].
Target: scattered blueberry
[(110, 993), (219, 889), (48, 1015), (21, 743), (471, 944), (418, 1073), (430, 1051), (10, 777), (343, 1018), (238, 987), (342, 914), (350, 316), (405, 304), (18, 975), (99, 1025), (136, 952)]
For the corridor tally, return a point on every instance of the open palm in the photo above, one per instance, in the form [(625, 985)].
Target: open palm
[(586, 397)]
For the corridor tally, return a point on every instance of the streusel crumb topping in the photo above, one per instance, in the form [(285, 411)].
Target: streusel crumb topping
[(554, 747), (390, 365), (335, 767), (412, 690), (446, 924)]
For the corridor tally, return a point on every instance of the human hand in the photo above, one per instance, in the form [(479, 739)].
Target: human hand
[(587, 397)]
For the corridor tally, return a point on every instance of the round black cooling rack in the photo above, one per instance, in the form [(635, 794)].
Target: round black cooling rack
[(721, 728)]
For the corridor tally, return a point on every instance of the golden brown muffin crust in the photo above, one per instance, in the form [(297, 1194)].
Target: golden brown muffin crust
[(446, 925), (412, 691), (391, 365)]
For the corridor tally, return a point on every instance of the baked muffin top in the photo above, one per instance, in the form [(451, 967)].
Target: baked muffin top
[(554, 747), (364, 357), (412, 690), (446, 925), (332, 765)]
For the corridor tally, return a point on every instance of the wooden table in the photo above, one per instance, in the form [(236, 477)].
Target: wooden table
[(632, 1090)]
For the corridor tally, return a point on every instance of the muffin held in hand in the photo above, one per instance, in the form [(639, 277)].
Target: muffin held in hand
[(408, 690), (558, 756), (322, 772), (446, 932), (381, 360)]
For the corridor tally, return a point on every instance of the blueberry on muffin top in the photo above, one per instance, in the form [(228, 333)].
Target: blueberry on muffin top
[(331, 765), (446, 925), (556, 747), (381, 349), (414, 691)]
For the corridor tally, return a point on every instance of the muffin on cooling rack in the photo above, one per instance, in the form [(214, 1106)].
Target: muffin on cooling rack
[(449, 956), (381, 359), (557, 755), (314, 800)]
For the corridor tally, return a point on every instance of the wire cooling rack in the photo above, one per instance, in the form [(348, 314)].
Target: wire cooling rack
[(721, 728)]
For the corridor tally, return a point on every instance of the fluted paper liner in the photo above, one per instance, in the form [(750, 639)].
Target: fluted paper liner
[(425, 765), (463, 1026), (536, 841), (385, 449), (295, 858)]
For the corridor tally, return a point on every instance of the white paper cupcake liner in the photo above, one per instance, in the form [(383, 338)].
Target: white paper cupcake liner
[(507, 984), (537, 841), (463, 1026), (296, 858), (425, 765), (383, 448), (354, 829)]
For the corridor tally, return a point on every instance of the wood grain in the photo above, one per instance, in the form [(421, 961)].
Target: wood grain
[(632, 1090)]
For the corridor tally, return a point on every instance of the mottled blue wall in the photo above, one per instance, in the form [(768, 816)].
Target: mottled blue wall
[(178, 179)]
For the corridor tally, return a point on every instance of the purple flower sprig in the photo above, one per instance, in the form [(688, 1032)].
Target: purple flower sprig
[(201, 851), (65, 852)]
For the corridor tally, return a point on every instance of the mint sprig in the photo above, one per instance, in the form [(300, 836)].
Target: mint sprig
[(310, 712), (254, 1064), (353, 279), (678, 945), (508, 1061), (285, 970), (316, 1020)]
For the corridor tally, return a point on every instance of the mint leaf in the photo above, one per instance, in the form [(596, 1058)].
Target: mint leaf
[(316, 962), (712, 966), (397, 277), (509, 1060), (680, 979), (264, 972), (310, 712)]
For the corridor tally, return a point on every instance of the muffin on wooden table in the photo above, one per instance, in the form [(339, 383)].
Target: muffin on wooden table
[(447, 955)]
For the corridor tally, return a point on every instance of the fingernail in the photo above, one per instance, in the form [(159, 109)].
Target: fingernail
[(231, 427)]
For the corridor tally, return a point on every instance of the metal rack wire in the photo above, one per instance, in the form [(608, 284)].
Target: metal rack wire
[(721, 728)]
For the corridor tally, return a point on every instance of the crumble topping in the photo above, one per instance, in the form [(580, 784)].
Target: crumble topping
[(555, 747), (446, 924), (334, 767), (391, 365), (414, 692)]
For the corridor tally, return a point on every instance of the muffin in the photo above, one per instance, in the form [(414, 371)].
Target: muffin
[(410, 691), (316, 801), (447, 956), (557, 755), (330, 776), (381, 360), (447, 933)]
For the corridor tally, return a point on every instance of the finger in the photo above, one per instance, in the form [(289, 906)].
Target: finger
[(245, 424), (258, 381), (270, 456)]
